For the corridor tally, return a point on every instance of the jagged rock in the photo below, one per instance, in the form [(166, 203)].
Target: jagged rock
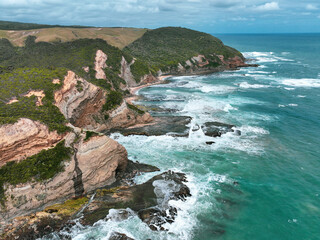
[(155, 217), (79, 105), (25, 138), (100, 64), (173, 125), (155, 194), (126, 73), (216, 129), (119, 236)]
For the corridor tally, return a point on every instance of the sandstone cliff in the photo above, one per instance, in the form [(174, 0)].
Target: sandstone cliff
[(25, 138), (94, 164), (81, 103)]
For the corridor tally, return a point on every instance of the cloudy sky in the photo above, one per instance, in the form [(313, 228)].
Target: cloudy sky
[(213, 16)]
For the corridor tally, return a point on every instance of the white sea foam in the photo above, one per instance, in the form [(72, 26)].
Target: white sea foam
[(217, 89), (266, 57), (301, 96), (303, 82), (246, 85)]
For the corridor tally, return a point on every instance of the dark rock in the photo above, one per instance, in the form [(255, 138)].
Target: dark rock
[(155, 217), (210, 142), (195, 128), (155, 194), (119, 236), (237, 132), (171, 125), (133, 169), (216, 129)]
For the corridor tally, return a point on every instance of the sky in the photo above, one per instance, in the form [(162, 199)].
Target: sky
[(212, 16)]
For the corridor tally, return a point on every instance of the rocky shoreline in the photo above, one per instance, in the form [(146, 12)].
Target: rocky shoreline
[(83, 186), (148, 201)]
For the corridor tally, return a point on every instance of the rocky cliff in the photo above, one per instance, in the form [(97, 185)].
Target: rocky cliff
[(83, 87), (24, 139), (93, 164)]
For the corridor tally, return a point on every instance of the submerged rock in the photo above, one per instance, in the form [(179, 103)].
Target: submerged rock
[(119, 236)]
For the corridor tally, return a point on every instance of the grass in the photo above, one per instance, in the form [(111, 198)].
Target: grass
[(39, 167)]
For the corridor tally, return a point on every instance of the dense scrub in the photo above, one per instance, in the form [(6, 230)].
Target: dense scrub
[(113, 100), (17, 82), (166, 47), (6, 25), (39, 167)]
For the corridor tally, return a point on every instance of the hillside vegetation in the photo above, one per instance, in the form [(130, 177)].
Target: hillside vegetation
[(34, 66), (169, 46), (8, 25), (118, 37)]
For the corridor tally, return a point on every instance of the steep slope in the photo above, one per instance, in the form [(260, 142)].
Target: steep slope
[(174, 50)]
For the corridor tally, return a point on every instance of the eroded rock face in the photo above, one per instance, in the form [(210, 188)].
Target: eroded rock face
[(123, 117), (99, 158), (79, 100), (100, 64), (126, 73), (25, 138), (94, 164)]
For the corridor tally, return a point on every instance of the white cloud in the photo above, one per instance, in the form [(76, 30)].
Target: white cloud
[(245, 19), (311, 7), (271, 6)]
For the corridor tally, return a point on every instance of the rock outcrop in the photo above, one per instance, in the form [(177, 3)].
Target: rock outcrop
[(126, 73), (123, 117), (25, 138), (94, 164), (79, 101), (100, 64)]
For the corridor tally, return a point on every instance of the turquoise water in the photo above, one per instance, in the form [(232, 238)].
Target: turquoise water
[(264, 184)]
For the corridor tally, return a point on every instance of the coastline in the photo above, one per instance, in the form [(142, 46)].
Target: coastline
[(133, 91)]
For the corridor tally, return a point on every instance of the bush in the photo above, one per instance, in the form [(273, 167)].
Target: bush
[(113, 99)]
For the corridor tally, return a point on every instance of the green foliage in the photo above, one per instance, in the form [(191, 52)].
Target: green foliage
[(79, 86), (164, 48), (72, 55), (6, 49), (139, 69), (135, 108), (6, 25), (39, 167), (90, 134), (113, 99), (17, 82), (34, 66)]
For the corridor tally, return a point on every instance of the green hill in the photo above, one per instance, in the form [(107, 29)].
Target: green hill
[(34, 66), (8, 25), (169, 46)]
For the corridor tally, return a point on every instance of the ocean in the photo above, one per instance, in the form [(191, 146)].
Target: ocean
[(261, 185)]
